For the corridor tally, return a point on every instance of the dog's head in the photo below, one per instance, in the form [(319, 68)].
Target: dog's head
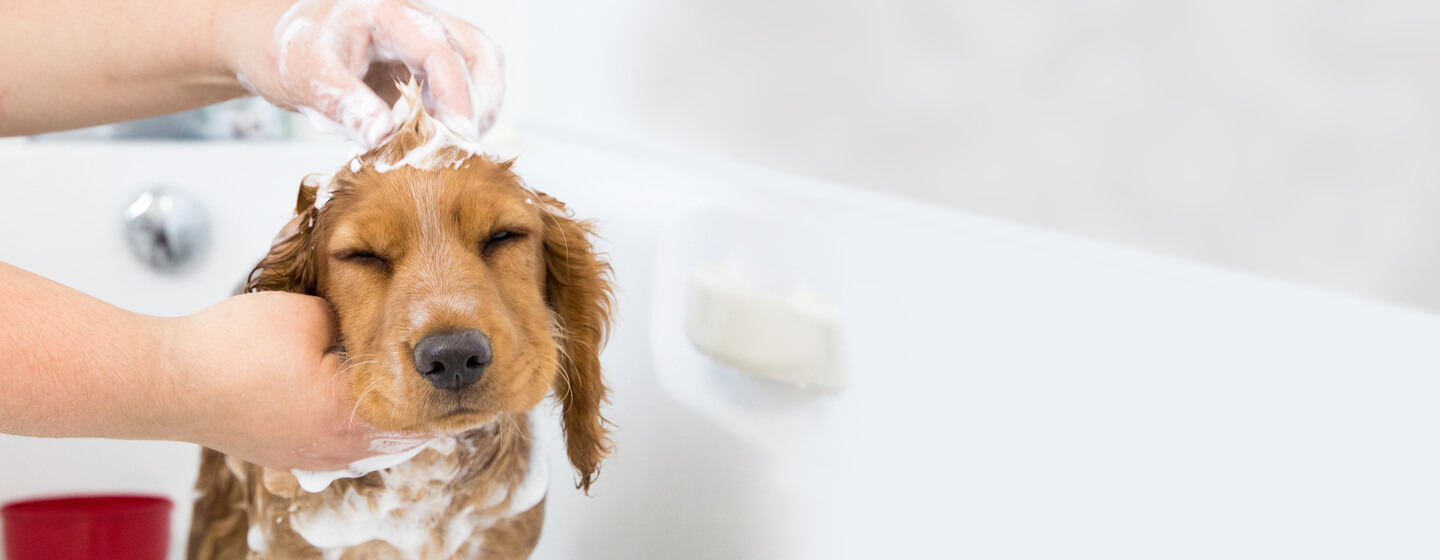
[(460, 294)]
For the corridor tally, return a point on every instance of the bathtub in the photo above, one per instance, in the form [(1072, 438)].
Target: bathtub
[(1010, 393)]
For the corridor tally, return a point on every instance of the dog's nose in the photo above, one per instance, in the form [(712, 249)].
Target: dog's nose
[(453, 360)]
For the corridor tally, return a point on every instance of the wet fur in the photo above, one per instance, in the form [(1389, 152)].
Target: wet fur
[(546, 304)]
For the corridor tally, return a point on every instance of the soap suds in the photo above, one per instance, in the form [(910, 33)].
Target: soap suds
[(537, 479), (318, 481), (308, 26), (323, 123), (414, 512), (324, 187), (427, 24), (460, 528), (355, 520), (536, 483), (394, 445), (315, 43), (433, 153), (364, 119), (405, 514), (255, 538), (288, 31)]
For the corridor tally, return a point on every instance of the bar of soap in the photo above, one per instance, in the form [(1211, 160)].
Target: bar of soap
[(794, 338)]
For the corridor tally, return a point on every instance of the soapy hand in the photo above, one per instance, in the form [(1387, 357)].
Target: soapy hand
[(266, 389), (334, 60)]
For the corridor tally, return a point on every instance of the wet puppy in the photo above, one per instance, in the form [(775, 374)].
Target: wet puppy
[(462, 298)]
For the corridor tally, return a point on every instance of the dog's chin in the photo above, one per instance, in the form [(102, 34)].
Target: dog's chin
[(459, 421), (449, 424), (445, 420), (446, 413)]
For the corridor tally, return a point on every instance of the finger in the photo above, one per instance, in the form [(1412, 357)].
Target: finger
[(335, 100), (319, 320), (422, 42), (486, 66)]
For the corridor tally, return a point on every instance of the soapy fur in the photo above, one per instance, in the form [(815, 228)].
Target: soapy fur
[(430, 201)]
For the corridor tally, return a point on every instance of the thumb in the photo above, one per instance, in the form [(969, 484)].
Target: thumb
[(339, 102)]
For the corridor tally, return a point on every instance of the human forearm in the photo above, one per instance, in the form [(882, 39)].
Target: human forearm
[(72, 63), (72, 365), (251, 376)]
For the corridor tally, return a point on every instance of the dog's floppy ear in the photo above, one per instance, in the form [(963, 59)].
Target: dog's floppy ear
[(290, 265), (579, 293)]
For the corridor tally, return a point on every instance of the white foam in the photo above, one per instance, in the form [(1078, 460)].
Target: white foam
[(536, 483), (288, 31), (364, 119), (458, 532), (334, 26), (394, 445), (324, 187), (537, 479), (255, 538), (318, 481), (394, 515), (355, 520), (411, 512), (323, 123), (430, 155), (428, 25)]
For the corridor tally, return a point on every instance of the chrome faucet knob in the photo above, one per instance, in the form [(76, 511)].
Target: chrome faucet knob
[(166, 227)]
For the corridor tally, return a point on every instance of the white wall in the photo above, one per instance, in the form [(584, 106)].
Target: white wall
[(1289, 138)]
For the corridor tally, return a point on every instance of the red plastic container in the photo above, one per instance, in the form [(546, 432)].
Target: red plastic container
[(88, 528)]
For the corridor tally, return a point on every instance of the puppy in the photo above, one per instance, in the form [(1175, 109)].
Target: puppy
[(463, 298)]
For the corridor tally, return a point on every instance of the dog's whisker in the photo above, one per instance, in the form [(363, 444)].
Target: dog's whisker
[(342, 371), (362, 399), (518, 432), (393, 409)]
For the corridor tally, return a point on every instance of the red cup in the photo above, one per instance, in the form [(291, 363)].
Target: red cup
[(88, 528)]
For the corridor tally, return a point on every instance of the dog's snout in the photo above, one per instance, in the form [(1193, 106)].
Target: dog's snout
[(453, 360)]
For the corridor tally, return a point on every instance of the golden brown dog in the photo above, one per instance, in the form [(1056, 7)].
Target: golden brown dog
[(462, 298)]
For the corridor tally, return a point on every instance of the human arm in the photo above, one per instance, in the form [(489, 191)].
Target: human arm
[(250, 376), (74, 63)]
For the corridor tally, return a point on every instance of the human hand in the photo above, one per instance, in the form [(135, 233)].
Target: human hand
[(318, 56), (257, 381)]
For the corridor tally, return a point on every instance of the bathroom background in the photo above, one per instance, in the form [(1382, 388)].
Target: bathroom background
[(1289, 139), (1011, 393)]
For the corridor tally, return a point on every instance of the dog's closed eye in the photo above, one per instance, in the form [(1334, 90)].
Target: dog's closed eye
[(364, 258), (499, 239)]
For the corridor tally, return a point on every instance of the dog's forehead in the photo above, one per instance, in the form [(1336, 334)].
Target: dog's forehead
[(477, 182), (480, 194)]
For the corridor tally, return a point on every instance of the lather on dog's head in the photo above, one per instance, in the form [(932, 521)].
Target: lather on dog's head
[(460, 294)]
